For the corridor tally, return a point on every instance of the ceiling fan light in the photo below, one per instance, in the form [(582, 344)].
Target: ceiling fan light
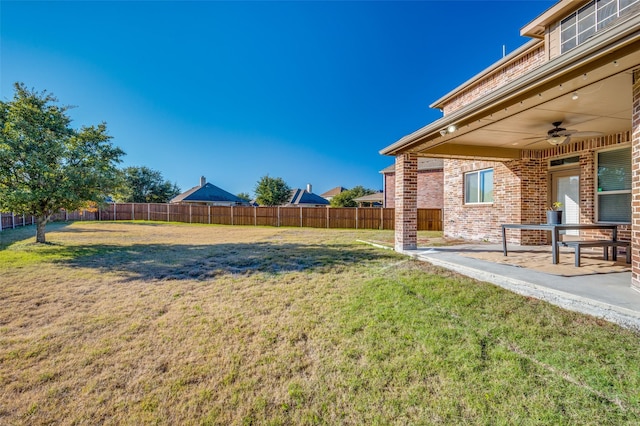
[(557, 139)]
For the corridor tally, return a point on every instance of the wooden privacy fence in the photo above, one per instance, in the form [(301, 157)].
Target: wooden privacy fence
[(313, 217)]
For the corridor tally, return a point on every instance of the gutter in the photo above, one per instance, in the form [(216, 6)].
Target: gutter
[(607, 42)]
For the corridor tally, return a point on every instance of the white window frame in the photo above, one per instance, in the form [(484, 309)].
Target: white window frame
[(479, 185), (598, 193), (600, 23)]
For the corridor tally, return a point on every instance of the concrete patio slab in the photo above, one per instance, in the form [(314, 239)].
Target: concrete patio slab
[(604, 295)]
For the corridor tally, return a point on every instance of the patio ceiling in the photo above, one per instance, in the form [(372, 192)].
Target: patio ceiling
[(504, 124)]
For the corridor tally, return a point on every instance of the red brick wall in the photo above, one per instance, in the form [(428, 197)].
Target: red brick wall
[(496, 79), (430, 189), (406, 214), (635, 191), (480, 221), (390, 190)]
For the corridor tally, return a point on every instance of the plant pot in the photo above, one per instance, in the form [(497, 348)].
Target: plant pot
[(554, 217)]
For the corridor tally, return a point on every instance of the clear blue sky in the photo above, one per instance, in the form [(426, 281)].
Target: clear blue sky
[(306, 91)]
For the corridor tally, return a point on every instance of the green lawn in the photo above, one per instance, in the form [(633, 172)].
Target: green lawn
[(145, 323)]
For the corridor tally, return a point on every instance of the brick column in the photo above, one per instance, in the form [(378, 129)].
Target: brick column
[(635, 183), (406, 202)]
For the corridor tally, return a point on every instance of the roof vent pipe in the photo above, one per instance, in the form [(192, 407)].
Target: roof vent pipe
[(309, 188), (203, 181)]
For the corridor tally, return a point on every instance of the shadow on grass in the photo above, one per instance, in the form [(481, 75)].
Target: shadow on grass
[(178, 262)]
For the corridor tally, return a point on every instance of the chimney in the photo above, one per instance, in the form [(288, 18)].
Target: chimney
[(309, 188), (203, 181)]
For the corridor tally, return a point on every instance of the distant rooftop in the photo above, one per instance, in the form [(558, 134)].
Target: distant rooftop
[(207, 193), (333, 192)]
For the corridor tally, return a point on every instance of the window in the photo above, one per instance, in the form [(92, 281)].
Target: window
[(478, 187), (596, 15), (613, 194)]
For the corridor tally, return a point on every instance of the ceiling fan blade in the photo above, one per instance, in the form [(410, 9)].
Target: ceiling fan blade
[(534, 142), (586, 134)]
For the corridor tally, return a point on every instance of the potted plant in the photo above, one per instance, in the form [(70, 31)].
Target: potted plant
[(554, 213)]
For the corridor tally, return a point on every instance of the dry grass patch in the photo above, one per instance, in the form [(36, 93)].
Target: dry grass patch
[(137, 323)]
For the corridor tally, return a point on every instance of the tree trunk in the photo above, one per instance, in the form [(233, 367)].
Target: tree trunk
[(41, 223)]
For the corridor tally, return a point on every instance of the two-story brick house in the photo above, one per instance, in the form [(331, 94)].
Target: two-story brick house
[(556, 120)]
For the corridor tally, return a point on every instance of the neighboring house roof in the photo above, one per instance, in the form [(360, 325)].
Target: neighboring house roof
[(378, 197), (333, 192), (207, 193), (423, 164), (302, 196)]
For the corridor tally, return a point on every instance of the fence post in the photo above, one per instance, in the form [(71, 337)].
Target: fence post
[(328, 216), (133, 211), (381, 226), (167, 212), (115, 212), (356, 218), (231, 214), (209, 213), (13, 221), (189, 212), (278, 220), (300, 216)]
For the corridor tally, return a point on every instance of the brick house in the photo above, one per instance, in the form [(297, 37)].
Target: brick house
[(430, 182), (556, 120)]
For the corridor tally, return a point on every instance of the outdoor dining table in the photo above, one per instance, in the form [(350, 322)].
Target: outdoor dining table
[(555, 233)]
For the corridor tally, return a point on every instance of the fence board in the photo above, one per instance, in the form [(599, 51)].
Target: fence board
[(343, 217), (179, 213), (290, 216), (267, 216), (244, 215), (429, 220), (370, 218), (220, 215), (314, 217), (199, 214)]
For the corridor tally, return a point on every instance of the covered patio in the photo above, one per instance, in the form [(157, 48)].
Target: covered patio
[(537, 127)]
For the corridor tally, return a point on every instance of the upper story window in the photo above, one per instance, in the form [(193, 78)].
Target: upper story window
[(594, 16), (478, 187)]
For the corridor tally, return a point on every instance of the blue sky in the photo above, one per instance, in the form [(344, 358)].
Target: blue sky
[(306, 91)]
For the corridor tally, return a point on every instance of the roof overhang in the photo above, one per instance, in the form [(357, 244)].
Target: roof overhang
[(503, 123), (536, 28)]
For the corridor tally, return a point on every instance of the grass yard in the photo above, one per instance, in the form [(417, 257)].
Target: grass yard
[(176, 324)]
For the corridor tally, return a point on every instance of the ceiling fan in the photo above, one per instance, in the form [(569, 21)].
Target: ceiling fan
[(559, 135)]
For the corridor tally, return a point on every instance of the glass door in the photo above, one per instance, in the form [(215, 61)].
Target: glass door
[(565, 188)]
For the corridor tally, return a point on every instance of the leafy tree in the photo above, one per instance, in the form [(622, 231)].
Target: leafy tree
[(144, 185), (45, 165), (345, 198), (272, 191), (244, 196)]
